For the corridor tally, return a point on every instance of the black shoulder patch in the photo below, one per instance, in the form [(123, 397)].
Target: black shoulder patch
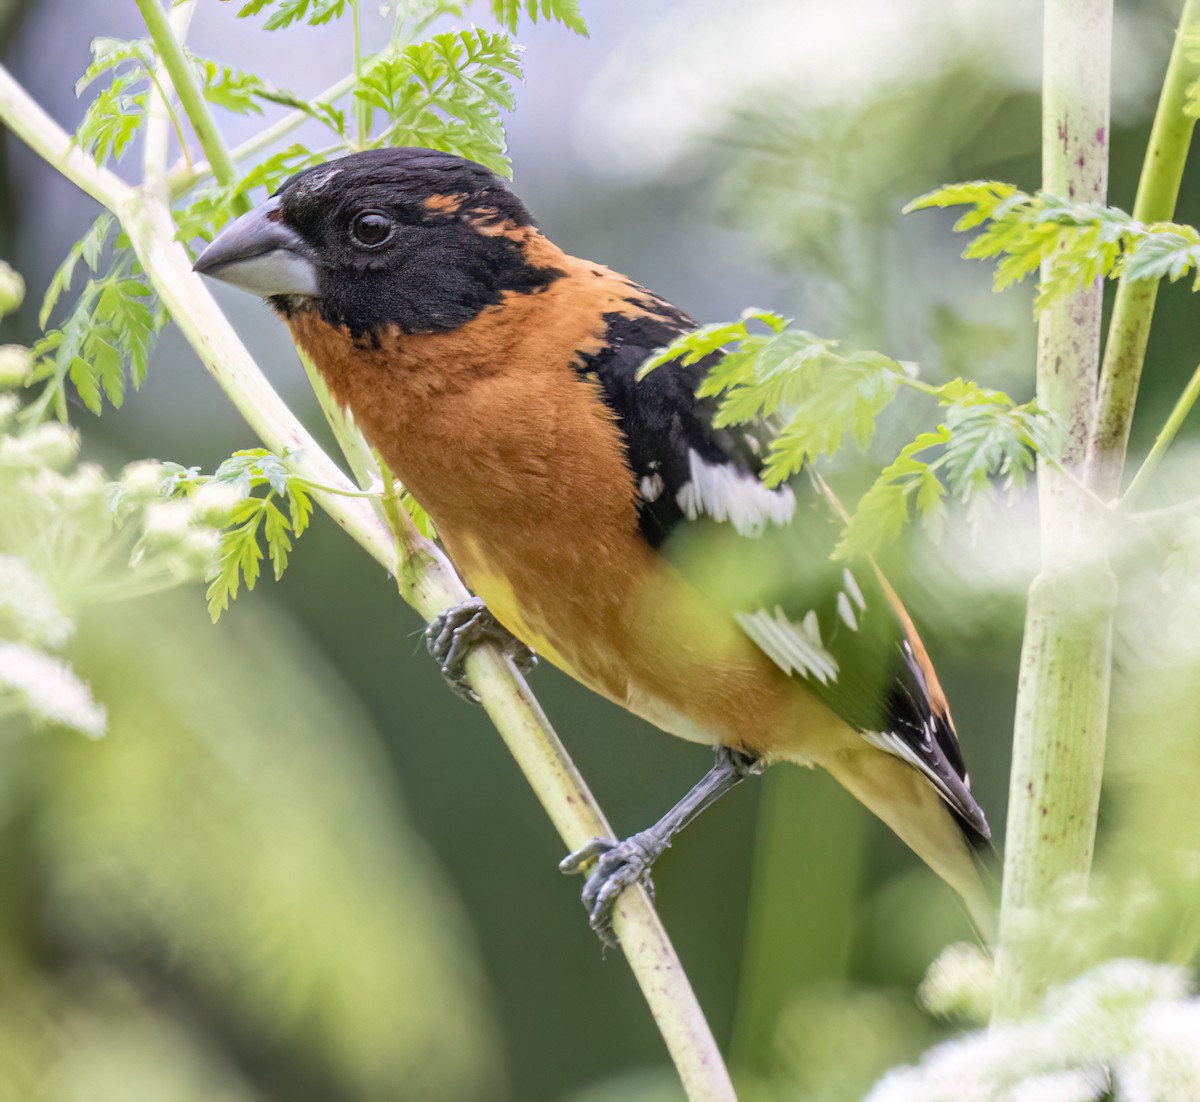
[(669, 437)]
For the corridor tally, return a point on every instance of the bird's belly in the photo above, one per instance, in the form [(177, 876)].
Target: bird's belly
[(645, 641), (583, 658)]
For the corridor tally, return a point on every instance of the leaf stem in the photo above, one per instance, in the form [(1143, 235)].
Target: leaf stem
[(159, 113), (362, 109), (1163, 441), (349, 439), (426, 578), (183, 178), (1133, 306), (191, 98)]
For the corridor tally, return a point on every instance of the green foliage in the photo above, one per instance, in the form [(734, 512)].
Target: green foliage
[(287, 12), (242, 516), (446, 93), (1192, 46), (88, 249), (114, 117), (1072, 244), (209, 208), (420, 518), (507, 12), (245, 93), (817, 398), (107, 335), (983, 436), (566, 12)]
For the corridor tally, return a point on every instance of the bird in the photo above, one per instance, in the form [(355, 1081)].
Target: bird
[(600, 518)]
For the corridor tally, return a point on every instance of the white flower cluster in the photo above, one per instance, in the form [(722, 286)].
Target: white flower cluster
[(33, 682), (182, 534), (49, 690), (1127, 1031), (29, 611), (50, 445)]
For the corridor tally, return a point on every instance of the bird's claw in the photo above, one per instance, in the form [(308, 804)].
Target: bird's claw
[(617, 866), (453, 632)]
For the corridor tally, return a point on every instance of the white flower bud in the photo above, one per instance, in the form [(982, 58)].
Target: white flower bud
[(167, 524), (51, 445), (15, 364), (142, 481), (960, 983), (215, 501), (9, 404), (85, 489), (12, 289), (199, 552)]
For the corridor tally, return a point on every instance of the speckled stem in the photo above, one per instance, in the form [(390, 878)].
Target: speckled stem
[(427, 580), (1062, 696)]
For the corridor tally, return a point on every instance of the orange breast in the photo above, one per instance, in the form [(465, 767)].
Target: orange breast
[(522, 468)]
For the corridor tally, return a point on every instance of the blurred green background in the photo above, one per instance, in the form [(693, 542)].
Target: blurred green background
[(298, 868)]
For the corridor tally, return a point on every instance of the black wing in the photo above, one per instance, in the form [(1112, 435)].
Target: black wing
[(685, 468), (840, 629)]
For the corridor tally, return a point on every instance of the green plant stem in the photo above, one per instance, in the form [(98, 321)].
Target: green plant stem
[(426, 578), (349, 439), (1062, 695), (184, 177), (362, 109), (1163, 441), (159, 115), (190, 97), (1133, 306)]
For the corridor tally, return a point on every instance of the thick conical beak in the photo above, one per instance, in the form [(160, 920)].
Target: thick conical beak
[(259, 254)]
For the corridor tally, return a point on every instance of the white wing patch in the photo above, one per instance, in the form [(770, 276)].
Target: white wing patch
[(794, 648), (726, 493), (651, 487), (852, 589), (848, 598), (893, 744)]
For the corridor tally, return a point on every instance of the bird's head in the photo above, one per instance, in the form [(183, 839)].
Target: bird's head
[(407, 238)]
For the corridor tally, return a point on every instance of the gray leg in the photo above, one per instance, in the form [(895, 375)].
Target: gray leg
[(620, 864), (452, 633)]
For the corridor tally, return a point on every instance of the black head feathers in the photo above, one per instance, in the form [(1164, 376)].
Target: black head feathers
[(412, 238)]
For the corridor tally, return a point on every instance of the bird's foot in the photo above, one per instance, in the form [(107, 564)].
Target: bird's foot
[(452, 633), (618, 865)]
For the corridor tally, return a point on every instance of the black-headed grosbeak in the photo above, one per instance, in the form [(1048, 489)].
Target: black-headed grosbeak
[(602, 520)]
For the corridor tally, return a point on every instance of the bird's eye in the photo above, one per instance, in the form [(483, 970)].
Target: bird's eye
[(371, 229)]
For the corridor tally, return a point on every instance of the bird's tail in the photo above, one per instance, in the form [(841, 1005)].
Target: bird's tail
[(909, 804)]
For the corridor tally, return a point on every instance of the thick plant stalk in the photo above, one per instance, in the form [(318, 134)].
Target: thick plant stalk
[(426, 579), (1133, 307), (1062, 696)]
